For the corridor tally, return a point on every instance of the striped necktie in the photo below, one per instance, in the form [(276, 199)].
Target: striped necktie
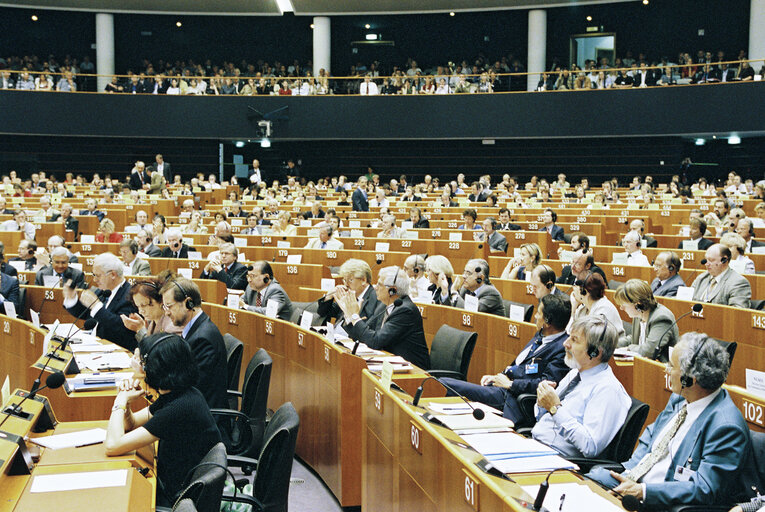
[(660, 450)]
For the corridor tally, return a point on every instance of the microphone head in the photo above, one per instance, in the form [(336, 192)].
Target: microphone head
[(397, 302), (250, 268), (417, 396), (106, 293), (704, 261), (379, 261), (631, 503), (89, 324), (55, 380), (479, 414), (698, 308)]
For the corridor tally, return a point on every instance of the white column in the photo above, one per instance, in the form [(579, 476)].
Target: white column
[(537, 46), (756, 32), (104, 49), (322, 44)]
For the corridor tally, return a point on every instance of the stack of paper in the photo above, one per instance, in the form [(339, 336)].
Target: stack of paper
[(572, 497), (399, 363), (461, 408), (75, 481), (108, 361), (72, 439), (513, 453), (466, 423)]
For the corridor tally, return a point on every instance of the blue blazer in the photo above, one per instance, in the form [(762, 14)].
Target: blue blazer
[(549, 357), (557, 232), (9, 288), (717, 447), (669, 288), (360, 203)]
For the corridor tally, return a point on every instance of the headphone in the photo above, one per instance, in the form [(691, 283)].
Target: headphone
[(592, 350), (145, 355), (392, 284), (547, 276), (416, 269), (686, 381), (186, 298), (638, 305), (582, 284), (479, 279)]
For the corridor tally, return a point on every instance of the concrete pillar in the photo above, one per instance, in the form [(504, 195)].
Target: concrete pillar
[(537, 46), (104, 49), (756, 33), (322, 44)]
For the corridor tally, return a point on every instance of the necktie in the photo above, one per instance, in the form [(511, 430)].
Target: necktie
[(712, 284), (571, 385), (470, 293), (323, 245), (660, 450), (258, 301), (655, 286)]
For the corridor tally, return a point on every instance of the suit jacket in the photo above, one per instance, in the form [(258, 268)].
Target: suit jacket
[(9, 289), (566, 277), (140, 267), (669, 288), (489, 300), (157, 183), (756, 243), (73, 224), (650, 241), (135, 180), (497, 242), (717, 447), (77, 276), (110, 326), (5, 268), (509, 227), (370, 307), (359, 201), (332, 244), (153, 251), (704, 244), (235, 278), (166, 173), (550, 358), (659, 321), (401, 333), (557, 232), (206, 343), (731, 290), (168, 253), (274, 291), (97, 213), (422, 224)]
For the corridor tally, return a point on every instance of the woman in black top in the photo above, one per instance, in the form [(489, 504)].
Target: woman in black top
[(179, 419)]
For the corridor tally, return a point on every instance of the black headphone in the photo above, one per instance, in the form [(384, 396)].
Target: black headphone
[(592, 350), (582, 284), (416, 270), (547, 276), (638, 305), (686, 381), (479, 279), (145, 355), (186, 298), (392, 290)]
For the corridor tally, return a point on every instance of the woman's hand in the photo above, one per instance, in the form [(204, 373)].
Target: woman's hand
[(134, 322)]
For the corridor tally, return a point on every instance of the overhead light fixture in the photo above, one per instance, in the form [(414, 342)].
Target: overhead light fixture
[(714, 136), (451, 13), (178, 24), (700, 142), (34, 17), (734, 139), (239, 144), (367, 26), (285, 6), (645, 2), (589, 18), (265, 143), (371, 37), (313, 26)]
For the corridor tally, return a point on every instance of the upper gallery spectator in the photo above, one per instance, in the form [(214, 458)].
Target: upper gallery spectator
[(631, 244), (696, 229), (325, 240), (254, 174), (163, 167), (587, 408), (476, 282), (59, 268), (720, 284), (140, 179), (134, 266), (666, 267), (368, 87), (650, 321), (542, 359), (639, 226), (91, 209), (497, 242), (549, 218), (19, 223), (175, 246), (262, 288), (359, 197)]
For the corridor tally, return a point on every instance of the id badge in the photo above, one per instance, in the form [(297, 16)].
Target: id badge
[(532, 368), (683, 474)]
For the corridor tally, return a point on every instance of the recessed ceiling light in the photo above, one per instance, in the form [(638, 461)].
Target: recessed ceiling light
[(451, 13), (734, 139), (367, 26), (239, 144), (589, 18), (645, 2), (178, 24), (700, 142), (34, 17), (312, 25)]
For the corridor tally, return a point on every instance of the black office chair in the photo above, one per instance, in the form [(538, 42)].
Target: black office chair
[(528, 309), (757, 305), (297, 310), (270, 488), (451, 351), (234, 350), (204, 483), (613, 284), (22, 301), (311, 307), (242, 430), (185, 505)]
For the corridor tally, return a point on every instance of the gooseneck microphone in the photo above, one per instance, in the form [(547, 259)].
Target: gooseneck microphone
[(632, 503), (543, 488), (54, 381), (697, 308), (478, 414)]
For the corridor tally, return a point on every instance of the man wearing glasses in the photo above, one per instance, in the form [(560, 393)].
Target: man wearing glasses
[(357, 278), (106, 303)]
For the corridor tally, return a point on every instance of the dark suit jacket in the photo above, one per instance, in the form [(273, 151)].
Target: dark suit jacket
[(489, 300), (566, 277), (401, 334), (669, 288), (97, 213), (235, 278), (704, 244), (5, 268), (557, 232), (77, 276), (74, 225), (370, 307), (422, 224), (166, 172), (9, 288), (360, 203), (273, 291), (206, 343), (153, 251), (110, 326), (168, 253), (497, 242), (756, 243), (551, 367), (508, 227), (650, 241), (28, 265), (135, 180)]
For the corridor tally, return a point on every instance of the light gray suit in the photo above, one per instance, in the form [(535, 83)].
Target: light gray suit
[(489, 300), (658, 322), (497, 242), (273, 292), (140, 267), (731, 290), (669, 288)]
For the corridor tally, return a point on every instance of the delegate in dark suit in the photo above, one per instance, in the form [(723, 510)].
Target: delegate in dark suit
[(77, 276), (704, 244), (359, 200), (716, 448), (497, 242), (138, 179), (206, 343), (234, 277), (110, 326), (556, 233), (489, 300), (167, 252), (422, 224), (152, 251), (401, 333), (668, 288), (72, 224), (566, 277), (9, 290), (370, 307), (273, 291), (97, 213)]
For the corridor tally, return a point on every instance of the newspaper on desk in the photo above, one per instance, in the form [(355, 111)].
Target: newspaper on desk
[(399, 364), (624, 354)]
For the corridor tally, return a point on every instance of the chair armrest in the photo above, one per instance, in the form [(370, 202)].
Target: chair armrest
[(446, 373), (608, 465), (234, 393), (163, 509), (524, 431), (230, 413), (239, 461), (243, 498)]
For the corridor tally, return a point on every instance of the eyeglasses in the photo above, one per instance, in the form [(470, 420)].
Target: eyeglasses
[(167, 307)]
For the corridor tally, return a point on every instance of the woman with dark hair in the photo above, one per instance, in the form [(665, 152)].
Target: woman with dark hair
[(588, 298), (179, 419), (151, 318)]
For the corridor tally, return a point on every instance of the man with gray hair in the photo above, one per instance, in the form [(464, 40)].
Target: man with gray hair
[(226, 268), (631, 244), (400, 330), (175, 246), (475, 282), (699, 446), (580, 416), (110, 299), (59, 269), (146, 244)]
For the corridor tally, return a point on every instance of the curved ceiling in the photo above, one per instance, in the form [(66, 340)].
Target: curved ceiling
[(300, 7)]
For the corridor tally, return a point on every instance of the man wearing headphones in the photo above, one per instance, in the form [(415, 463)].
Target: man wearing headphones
[(325, 240), (419, 285), (581, 415), (182, 302), (720, 284), (262, 288), (476, 282), (146, 244), (134, 266), (175, 246), (59, 268), (549, 217), (699, 446), (638, 225), (666, 267), (745, 228), (497, 242), (582, 263), (543, 281), (540, 360), (400, 329), (227, 269)]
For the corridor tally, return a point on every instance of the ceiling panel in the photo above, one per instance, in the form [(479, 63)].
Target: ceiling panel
[(200, 7)]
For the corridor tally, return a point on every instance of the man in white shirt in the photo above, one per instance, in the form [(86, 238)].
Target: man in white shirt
[(255, 176), (414, 266), (368, 87), (325, 240), (736, 187), (19, 223), (631, 244)]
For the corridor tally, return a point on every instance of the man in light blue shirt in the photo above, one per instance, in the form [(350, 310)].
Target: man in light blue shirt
[(582, 414)]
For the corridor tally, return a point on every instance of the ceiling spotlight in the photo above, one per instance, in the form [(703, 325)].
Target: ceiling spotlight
[(313, 26), (178, 24), (700, 142), (239, 144), (367, 26), (734, 139), (589, 18), (645, 2), (714, 136), (265, 143), (34, 17), (451, 13)]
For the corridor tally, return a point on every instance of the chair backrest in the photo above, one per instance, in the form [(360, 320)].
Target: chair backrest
[(23, 299), (621, 446), (758, 305), (528, 309), (613, 284), (204, 483), (730, 347), (257, 381), (272, 480), (452, 349), (297, 311), (185, 505), (234, 350)]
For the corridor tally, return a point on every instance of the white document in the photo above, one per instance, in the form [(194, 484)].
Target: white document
[(76, 266), (534, 465), (305, 223), (685, 293), (195, 255), (327, 284), (461, 408), (49, 335), (755, 382), (72, 439), (104, 361), (407, 224), (471, 303), (237, 222), (272, 308), (51, 282), (690, 245), (132, 229), (758, 250), (88, 239), (468, 422), (354, 223), (455, 237), (10, 308), (516, 312), (566, 256), (578, 497), (382, 247), (386, 375), (185, 272), (282, 244), (35, 317), (357, 233), (76, 481), (619, 258), (506, 443), (232, 300), (80, 348), (305, 319), (240, 242), (20, 266), (685, 231), (294, 259)]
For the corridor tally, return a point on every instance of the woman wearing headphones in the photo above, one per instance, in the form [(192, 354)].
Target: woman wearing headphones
[(650, 321), (441, 276), (151, 318), (588, 298), (179, 419), (522, 267)]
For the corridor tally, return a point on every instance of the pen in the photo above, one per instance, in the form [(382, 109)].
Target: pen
[(88, 444), (562, 497)]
